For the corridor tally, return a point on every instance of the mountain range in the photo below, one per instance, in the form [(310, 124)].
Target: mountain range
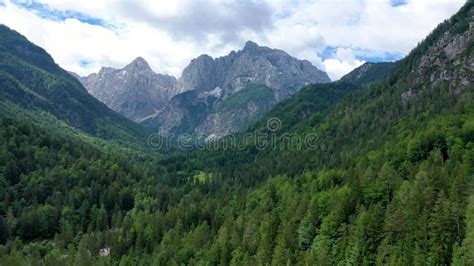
[(374, 169), (213, 97)]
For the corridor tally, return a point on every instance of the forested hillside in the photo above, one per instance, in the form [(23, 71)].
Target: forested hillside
[(369, 72), (35, 88), (389, 180)]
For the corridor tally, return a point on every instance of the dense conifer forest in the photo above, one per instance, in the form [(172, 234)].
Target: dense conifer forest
[(388, 179)]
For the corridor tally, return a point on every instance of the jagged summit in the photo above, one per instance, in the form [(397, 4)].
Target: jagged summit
[(135, 91), (203, 57), (144, 96), (138, 63), (253, 64), (251, 45), (234, 74)]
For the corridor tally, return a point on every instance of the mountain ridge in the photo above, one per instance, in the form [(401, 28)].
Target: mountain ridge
[(253, 66), (151, 104), (134, 91), (35, 86)]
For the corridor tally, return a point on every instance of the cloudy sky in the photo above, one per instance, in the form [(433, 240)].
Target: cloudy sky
[(335, 35)]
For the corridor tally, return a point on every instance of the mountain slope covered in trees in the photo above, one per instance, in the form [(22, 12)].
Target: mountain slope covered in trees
[(34, 87), (389, 181), (369, 72)]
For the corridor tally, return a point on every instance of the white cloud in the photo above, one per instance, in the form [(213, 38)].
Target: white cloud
[(169, 34), (72, 41), (343, 62)]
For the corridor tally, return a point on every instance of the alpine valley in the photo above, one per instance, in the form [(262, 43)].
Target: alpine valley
[(385, 175)]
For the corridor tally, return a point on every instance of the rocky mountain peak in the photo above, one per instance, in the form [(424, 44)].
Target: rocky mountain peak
[(255, 71), (162, 101), (203, 57), (253, 49), (139, 63), (105, 71), (250, 45), (135, 91)]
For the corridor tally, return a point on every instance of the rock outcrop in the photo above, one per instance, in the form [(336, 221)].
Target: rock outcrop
[(216, 82), (192, 104), (252, 65), (134, 91)]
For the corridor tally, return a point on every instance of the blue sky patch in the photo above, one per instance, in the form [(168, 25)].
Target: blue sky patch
[(398, 2), (46, 12), (375, 59), (85, 63), (363, 54), (328, 52)]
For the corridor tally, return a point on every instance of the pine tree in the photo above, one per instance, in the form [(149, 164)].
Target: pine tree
[(464, 254)]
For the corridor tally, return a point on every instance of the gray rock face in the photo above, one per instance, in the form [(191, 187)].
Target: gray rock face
[(219, 124), (207, 114), (446, 51), (135, 91), (252, 65), (193, 104), (273, 74), (445, 60)]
